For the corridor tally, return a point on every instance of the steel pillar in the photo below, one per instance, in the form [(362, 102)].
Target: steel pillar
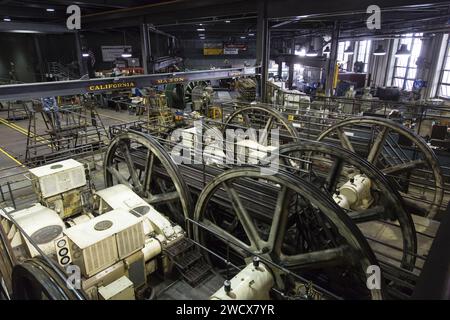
[(263, 48), (145, 42), (331, 67), (81, 62)]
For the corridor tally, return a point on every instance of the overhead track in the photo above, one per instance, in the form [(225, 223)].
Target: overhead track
[(64, 88)]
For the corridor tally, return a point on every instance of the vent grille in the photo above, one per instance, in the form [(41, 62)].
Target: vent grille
[(100, 255), (130, 240)]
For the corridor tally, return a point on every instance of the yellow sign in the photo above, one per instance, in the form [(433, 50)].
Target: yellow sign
[(112, 86), (170, 80), (212, 51)]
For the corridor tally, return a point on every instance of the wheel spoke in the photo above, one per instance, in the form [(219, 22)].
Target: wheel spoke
[(163, 197), (378, 145), (118, 176), (243, 216), (129, 161), (345, 141), (222, 235), (317, 259), (148, 171), (280, 218), (408, 166), (267, 127)]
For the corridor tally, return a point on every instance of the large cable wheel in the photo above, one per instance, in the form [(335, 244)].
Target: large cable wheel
[(263, 118), (399, 153), (34, 279), (189, 88), (139, 161), (290, 222), (329, 167)]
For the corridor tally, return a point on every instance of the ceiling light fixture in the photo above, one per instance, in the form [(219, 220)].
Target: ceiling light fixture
[(311, 52), (402, 51), (242, 37), (7, 19), (126, 53), (251, 34), (201, 29), (379, 51), (227, 21), (50, 10)]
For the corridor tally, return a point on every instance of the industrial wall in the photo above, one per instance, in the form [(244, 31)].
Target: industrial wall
[(19, 49), (197, 60)]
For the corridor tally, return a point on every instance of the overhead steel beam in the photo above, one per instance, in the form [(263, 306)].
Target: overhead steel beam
[(27, 12), (291, 8), (25, 27), (170, 12), (64, 88)]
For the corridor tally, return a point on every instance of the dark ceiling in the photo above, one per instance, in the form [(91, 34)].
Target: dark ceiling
[(235, 18), (36, 11)]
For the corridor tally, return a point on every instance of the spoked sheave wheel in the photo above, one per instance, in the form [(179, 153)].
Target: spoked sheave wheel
[(329, 167), (262, 118), (399, 153), (137, 160), (289, 222)]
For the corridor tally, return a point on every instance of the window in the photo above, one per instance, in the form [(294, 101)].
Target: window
[(341, 56), (363, 52), (405, 68), (444, 83)]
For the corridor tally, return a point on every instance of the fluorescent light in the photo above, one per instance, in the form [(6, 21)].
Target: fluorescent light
[(50, 10), (311, 52), (301, 53), (201, 35), (200, 24), (24, 31), (251, 34), (242, 37), (379, 51), (227, 21), (201, 29), (7, 19), (85, 55), (126, 55)]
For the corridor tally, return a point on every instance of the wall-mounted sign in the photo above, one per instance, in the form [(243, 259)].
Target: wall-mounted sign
[(112, 86), (230, 51), (212, 49), (169, 80), (111, 53)]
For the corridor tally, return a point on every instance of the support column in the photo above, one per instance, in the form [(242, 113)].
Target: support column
[(263, 48), (81, 63), (42, 68), (145, 47), (280, 69), (331, 66), (290, 81)]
